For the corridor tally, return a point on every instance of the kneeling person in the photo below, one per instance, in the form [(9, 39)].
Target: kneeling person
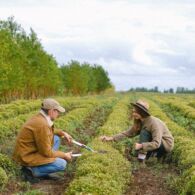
[(154, 136), (38, 142)]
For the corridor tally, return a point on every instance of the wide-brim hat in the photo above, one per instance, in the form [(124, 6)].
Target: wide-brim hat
[(143, 105)]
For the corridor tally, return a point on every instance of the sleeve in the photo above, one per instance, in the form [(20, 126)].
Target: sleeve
[(129, 133), (156, 131), (58, 132), (44, 143)]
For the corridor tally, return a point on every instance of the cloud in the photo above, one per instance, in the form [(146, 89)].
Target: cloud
[(139, 43)]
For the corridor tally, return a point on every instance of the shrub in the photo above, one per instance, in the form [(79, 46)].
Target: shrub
[(4, 178)]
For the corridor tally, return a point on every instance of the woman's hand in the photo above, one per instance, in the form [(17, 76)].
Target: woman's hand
[(138, 146)]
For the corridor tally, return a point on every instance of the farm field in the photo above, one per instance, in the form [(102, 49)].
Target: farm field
[(115, 172)]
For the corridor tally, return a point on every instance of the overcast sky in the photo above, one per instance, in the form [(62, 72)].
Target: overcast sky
[(140, 43)]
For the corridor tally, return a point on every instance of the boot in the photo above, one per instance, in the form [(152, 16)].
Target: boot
[(28, 176)]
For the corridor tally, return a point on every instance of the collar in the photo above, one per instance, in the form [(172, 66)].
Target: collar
[(49, 121), (146, 119)]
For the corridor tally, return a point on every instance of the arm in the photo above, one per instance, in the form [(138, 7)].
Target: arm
[(131, 132), (63, 134), (43, 138), (128, 133)]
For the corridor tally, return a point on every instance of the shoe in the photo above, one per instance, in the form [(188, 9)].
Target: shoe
[(141, 157), (28, 176)]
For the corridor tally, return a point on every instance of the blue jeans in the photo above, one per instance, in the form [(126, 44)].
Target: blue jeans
[(58, 165)]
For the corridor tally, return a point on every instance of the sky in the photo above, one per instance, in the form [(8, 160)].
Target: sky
[(140, 43)]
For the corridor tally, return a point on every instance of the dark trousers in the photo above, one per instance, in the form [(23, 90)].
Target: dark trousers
[(145, 136)]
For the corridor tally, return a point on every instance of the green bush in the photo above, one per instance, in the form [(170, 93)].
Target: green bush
[(3, 178), (104, 173), (101, 173), (189, 176), (7, 164), (184, 152)]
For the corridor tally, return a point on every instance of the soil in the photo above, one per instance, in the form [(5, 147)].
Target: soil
[(151, 179), (49, 187), (46, 187)]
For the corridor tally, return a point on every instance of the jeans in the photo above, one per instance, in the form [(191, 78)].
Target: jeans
[(58, 165), (145, 136)]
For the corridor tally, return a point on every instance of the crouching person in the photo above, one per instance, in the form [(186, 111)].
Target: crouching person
[(155, 139), (37, 144)]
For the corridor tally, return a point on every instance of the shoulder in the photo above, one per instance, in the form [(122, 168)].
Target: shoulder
[(37, 120), (157, 123), (154, 119)]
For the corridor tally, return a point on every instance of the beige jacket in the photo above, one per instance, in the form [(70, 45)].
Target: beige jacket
[(159, 131), (34, 143)]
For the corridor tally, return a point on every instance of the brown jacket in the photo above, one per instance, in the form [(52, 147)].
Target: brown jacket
[(159, 131), (34, 143)]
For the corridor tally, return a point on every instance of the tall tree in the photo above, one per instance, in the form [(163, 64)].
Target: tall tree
[(84, 78), (102, 79)]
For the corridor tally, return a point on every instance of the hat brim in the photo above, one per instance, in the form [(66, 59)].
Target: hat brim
[(60, 109), (141, 107)]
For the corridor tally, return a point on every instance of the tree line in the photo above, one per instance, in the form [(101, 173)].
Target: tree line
[(170, 90), (28, 71)]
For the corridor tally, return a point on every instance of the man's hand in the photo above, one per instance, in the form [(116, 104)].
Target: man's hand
[(68, 156), (106, 138), (67, 137), (138, 146)]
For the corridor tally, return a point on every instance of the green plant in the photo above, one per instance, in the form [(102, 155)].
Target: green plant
[(7, 164), (4, 178)]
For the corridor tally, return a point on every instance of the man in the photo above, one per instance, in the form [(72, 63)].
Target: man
[(154, 136), (38, 142)]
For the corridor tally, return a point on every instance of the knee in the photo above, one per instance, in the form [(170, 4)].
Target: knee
[(61, 163), (56, 138)]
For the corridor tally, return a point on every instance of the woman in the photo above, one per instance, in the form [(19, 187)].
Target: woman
[(154, 136)]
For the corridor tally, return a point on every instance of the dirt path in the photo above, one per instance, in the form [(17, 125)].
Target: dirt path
[(49, 187), (151, 179)]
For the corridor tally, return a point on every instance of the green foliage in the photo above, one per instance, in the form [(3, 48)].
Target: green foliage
[(4, 178), (24, 64), (189, 176), (104, 173), (80, 79), (102, 78), (184, 152), (179, 118), (101, 173), (7, 164), (73, 121), (118, 119), (28, 71)]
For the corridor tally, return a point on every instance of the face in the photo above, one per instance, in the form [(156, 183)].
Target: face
[(135, 115), (53, 114)]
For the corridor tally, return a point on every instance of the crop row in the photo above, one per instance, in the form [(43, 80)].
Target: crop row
[(10, 126), (106, 171), (184, 151), (179, 106), (181, 113), (74, 119), (70, 122), (19, 107)]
